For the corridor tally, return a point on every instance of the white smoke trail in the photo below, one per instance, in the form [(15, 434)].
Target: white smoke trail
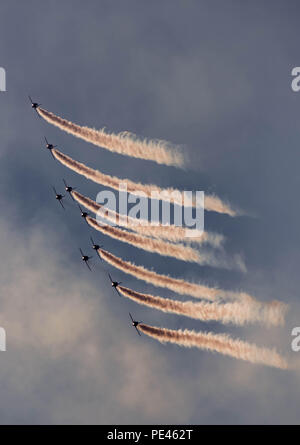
[(164, 248), (212, 203), (273, 312), (170, 233), (217, 342), (124, 143), (236, 313)]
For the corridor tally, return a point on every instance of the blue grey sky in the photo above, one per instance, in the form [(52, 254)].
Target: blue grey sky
[(212, 76)]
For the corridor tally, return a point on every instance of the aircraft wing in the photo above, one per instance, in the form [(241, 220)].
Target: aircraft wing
[(118, 292)]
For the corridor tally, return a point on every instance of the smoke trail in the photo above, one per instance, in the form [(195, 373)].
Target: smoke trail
[(227, 313), (175, 284), (217, 342), (170, 233), (212, 203), (273, 312), (164, 248), (124, 143)]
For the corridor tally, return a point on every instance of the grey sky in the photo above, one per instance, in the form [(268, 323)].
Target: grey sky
[(213, 76)]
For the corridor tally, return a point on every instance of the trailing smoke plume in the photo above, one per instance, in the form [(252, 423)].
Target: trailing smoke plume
[(164, 248), (212, 203), (170, 233), (124, 143), (216, 342), (236, 313), (274, 311)]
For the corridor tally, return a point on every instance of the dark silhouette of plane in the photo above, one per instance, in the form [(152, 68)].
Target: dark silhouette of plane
[(69, 189), (115, 284), (96, 247), (83, 214), (50, 147), (135, 324), (86, 259), (35, 105), (59, 197)]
